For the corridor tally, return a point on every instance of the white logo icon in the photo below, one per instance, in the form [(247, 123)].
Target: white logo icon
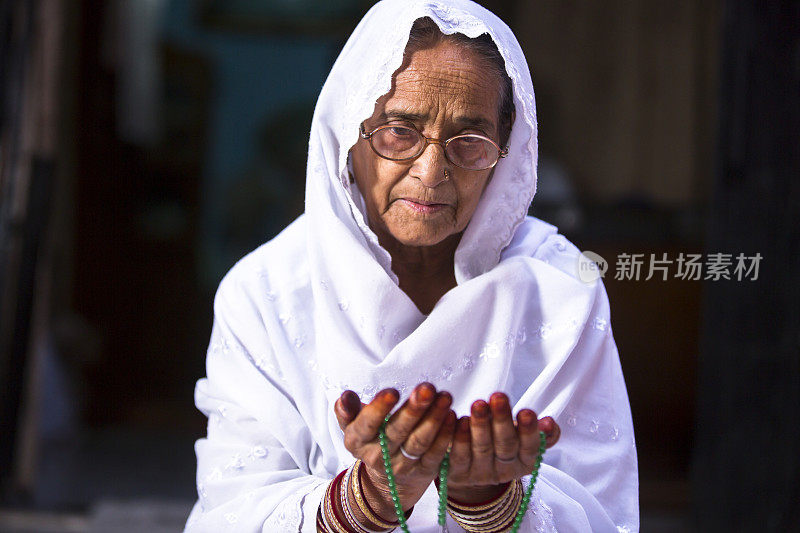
[(591, 266)]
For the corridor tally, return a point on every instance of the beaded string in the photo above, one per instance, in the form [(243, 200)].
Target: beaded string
[(387, 465), (527, 497), (444, 467)]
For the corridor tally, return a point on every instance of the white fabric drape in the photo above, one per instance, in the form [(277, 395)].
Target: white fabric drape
[(317, 310)]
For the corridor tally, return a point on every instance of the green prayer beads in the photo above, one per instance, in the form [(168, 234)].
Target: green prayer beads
[(526, 498), (387, 464), (444, 467)]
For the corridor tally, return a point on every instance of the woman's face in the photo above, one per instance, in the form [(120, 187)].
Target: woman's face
[(443, 91)]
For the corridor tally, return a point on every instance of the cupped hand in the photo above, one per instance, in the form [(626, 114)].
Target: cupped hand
[(424, 426), (489, 449)]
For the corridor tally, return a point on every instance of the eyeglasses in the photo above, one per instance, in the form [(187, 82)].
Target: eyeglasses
[(403, 142)]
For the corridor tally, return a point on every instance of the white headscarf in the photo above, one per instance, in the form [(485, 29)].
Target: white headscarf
[(317, 310)]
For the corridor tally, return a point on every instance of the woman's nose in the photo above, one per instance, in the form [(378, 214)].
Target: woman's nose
[(429, 167)]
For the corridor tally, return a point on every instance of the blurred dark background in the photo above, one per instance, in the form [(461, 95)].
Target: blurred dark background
[(146, 145)]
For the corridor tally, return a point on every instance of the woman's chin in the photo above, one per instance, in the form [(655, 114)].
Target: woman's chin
[(416, 229), (421, 236)]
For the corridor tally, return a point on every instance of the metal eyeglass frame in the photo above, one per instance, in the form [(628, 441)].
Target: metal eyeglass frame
[(501, 152)]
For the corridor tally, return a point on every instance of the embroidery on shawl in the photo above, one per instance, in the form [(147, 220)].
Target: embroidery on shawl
[(539, 513)]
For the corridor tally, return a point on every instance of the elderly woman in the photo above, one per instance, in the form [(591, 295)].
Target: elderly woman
[(415, 289)]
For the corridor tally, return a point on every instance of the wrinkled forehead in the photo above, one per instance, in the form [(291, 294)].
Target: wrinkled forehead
[(447, 78), (448, 58), (437, 82)]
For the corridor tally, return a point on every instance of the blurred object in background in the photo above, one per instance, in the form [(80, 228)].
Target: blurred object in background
[(31, 177), (313, 18), (626, 94), (626, 99), (136, 34), (746, 473), (147, 145), (270, 189), (175, 142), (556, 199)]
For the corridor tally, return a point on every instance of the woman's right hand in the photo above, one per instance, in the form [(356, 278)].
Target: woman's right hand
[(423, 426)]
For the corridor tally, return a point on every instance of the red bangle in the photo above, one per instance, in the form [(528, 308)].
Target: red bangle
[(331, 517), (337, 481)]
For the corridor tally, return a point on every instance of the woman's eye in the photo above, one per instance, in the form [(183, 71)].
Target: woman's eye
[(399, 131), (469, 143)]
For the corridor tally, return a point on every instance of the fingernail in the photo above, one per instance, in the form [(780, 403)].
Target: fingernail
[(527, 418), (463, 425), (425, 393), (444, 399), (480, 408), (350, 401), (389, 395), (499, 400)]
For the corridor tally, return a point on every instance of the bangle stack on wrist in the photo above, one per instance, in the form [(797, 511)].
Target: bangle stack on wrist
[(489, 517), (331, 520), (335, 514), (358, 494)]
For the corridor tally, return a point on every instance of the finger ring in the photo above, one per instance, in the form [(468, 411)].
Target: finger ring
[(505, 461), (408, 455)]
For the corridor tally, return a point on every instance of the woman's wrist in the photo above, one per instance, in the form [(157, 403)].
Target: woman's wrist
[(475, 494), (367, 508), (491, 516), (378, 496), (344, 508)]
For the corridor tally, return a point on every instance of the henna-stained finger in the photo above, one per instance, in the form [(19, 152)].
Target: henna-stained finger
[(432, 458), (461, 451), (346, 408), (425, 433), (364, 428), (529, 441), (551, 430), (482, 444), (504, 434), (405, 419)]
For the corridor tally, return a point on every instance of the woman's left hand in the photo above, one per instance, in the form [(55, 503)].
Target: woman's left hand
[(489, 449)]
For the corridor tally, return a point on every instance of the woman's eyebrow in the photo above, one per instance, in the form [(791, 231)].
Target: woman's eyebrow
[(480, 123), (402, 115), (476, 122)]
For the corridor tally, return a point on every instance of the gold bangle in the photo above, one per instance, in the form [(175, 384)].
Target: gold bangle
[(483, 517), (493, 520), (345, 504), (352, 521), (502, 521), (330, 515), (358, 494), (463, 507), (487, 513)]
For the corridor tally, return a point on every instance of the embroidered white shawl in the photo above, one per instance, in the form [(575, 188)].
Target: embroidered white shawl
[(317, 310)]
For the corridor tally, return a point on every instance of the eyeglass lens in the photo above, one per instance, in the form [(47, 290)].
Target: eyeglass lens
[(467, 151)]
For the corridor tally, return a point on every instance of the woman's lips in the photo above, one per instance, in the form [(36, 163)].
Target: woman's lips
[(422, 207)]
